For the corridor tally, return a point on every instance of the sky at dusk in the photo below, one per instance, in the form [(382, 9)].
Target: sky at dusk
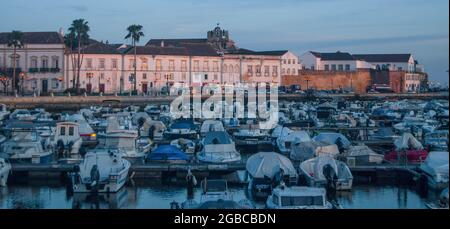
[(420, 27)]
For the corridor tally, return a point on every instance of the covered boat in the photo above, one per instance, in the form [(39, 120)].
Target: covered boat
[(218, 147), (302, 151), (168, 153), (5, 169), (211, 125), (267, 170), (288, 138), (333, 138), (326, 171), (297, 197), (182, 129), (435, 168), (101, 171), (363, 155), (407, 149)]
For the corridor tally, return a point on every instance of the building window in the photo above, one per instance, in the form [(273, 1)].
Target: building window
[(283, 71), (158, 65), (34, 62), (206, 76), (102, 76), (347, 67), (275, 71), (266, 70), (171, 65), (327, 67), (44, 62), (183, 76), (183, 65), (258, 70), (293, 71), (89, 63), (55, 62), (289, 61), (400, 68), (62, 130), (284, 61), (341, 67), (333, 67), (225, 68), (250, 70), (55, 84), (196, 65), (71, 130), (101, 63), (215, 66), (288, 71), (114, 64), (144, 76), (293, 61), (216, 77), (236, 68), (206, 66)]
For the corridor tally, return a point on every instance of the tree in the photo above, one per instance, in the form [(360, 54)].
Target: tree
[(78, 37), (135, 33), (15, 41)]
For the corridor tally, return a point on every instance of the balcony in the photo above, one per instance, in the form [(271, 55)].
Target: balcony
[(55, 70), (43, 70), (33, 70)]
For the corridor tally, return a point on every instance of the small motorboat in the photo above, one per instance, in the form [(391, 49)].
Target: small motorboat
[(296, 197), (168, 154), (100, 171), (363, 155), (325, 171), (182, 129), (211, 126), (218, 147), (285, 141), (267, 170), (5, 169), (67, 140)]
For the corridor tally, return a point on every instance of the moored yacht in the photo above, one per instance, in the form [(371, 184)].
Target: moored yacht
[(217, 147)]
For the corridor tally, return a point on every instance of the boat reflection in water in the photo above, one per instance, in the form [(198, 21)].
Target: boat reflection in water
[(117, 200)]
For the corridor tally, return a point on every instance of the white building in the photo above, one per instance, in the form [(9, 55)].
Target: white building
[(392, 62), (41, 59), (338, 61)]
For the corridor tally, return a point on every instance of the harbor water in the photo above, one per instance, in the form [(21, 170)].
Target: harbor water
[(154, 195)]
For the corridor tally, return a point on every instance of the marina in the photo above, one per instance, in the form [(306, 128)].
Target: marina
[(103, 150)]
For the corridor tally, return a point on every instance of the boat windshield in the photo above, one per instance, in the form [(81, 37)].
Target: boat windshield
[(287, 201)]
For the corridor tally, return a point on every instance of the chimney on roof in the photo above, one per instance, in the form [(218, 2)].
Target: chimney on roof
[(162, 43), (61, 31)]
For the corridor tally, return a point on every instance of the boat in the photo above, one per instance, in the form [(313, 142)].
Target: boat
[(267, 170), (252, 136), (288, 138), (297, 197), (302, 151), (185, 145), (407, 149), (182, 129), (152, 110), (435, 167), (22, 115), (210, 126), (88, 134), (67, 140), (436, 140), (5, 169), (153, 130), (325, 171), (217, 147), (24, 145), (102, 171), (334, 138), (167, 154), (363, 155)]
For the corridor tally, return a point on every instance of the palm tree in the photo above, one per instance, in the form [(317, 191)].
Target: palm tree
[(15, 41), (135, 33), (79, 33)]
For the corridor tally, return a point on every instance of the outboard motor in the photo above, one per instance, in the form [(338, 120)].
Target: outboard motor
[(95, 178), (330, 175)]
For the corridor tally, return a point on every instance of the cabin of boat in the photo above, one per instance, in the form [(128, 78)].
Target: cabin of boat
[(298, 198)]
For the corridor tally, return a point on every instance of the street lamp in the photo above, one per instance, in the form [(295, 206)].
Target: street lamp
[(22, 76)]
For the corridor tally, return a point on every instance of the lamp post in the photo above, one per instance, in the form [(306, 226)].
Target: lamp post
[(22, 76)]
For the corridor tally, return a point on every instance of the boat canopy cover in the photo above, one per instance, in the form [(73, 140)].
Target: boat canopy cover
[(333, 138), (217, 138), (360, 150), (437, 161), (298, 136), (269, 164), (167, 152), (407, 141), (184, 124), (302, 151), (211, 125)]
